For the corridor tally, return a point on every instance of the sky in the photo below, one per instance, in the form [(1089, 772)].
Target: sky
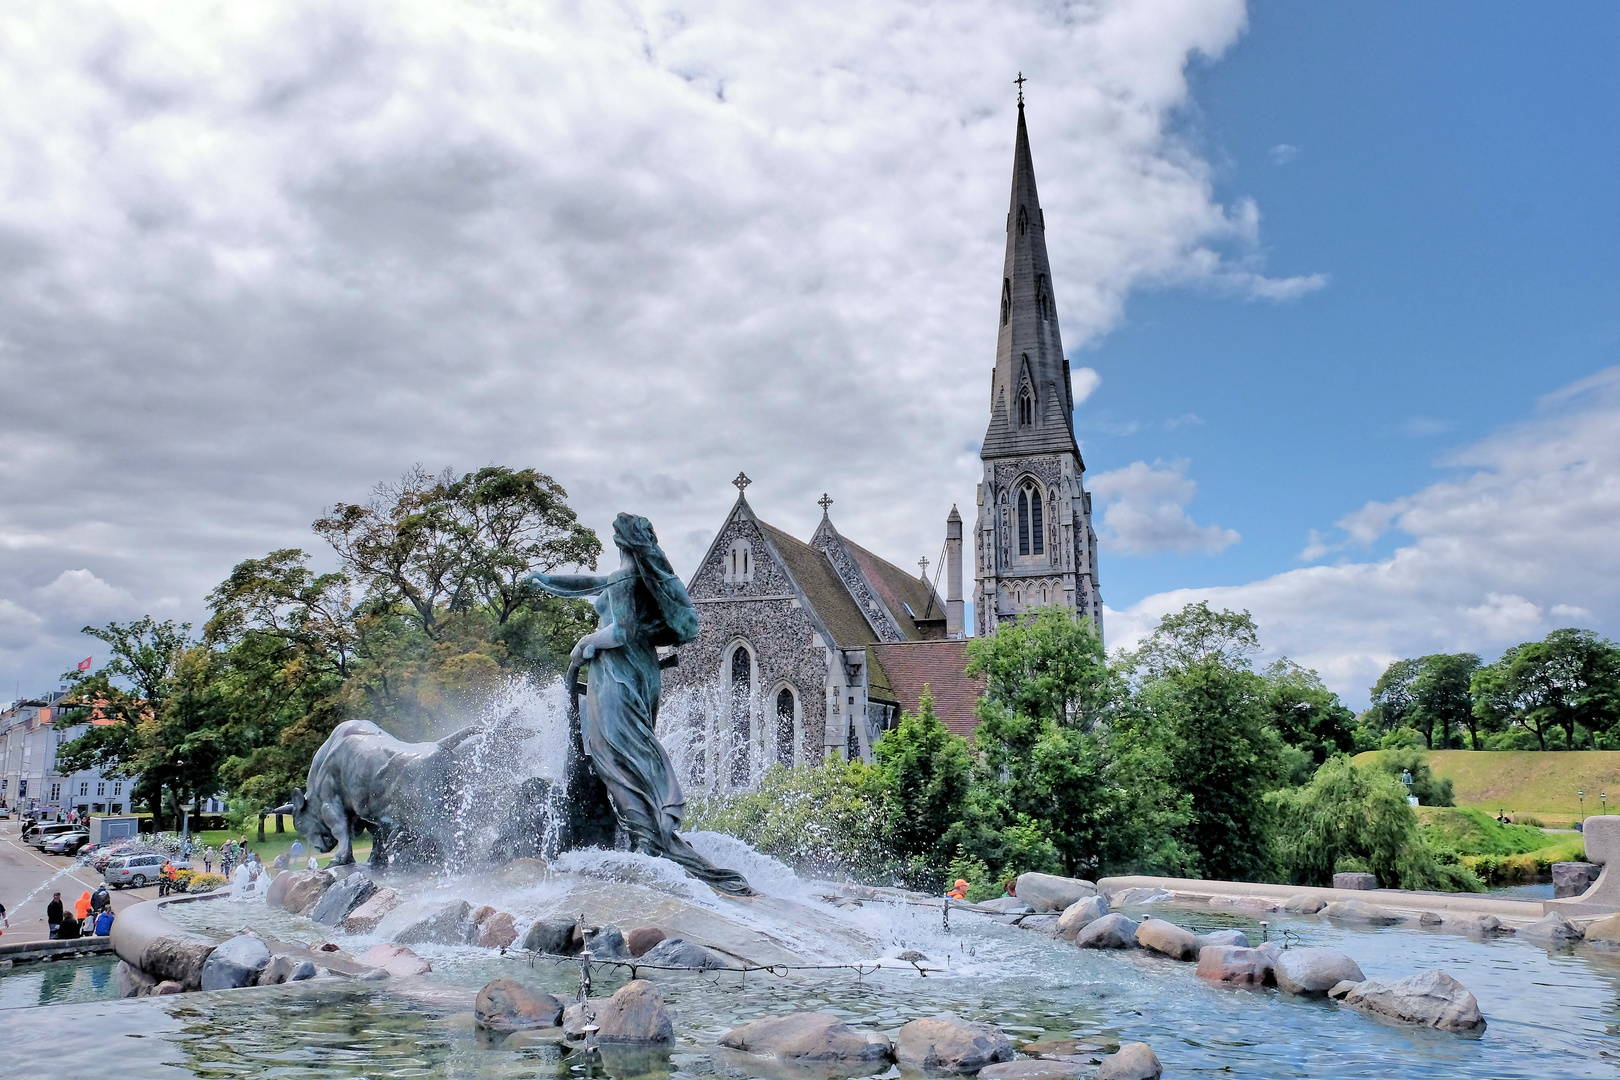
[(1339, 284)]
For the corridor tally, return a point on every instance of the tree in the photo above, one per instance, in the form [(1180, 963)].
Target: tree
[(1307, 715), (1392, 697), (1052, 667), (1571, 678), (926, 773), (1442, 700)]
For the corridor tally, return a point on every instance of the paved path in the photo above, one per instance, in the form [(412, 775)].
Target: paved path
[(23, 869)]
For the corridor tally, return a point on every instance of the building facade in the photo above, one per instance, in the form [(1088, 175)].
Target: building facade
[(1035, 544), (31, 733)]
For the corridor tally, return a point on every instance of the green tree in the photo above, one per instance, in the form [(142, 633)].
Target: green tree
[(1442, 700), (1569, 679), (1392, 698), (926, 773), (1307, 715)]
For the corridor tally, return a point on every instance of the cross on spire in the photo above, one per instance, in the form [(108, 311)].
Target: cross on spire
[(923, 562), (1020, 81), (824, 502), (742, 483)]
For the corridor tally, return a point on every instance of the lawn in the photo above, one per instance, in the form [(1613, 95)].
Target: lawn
[(1534, 782), (274, 843)]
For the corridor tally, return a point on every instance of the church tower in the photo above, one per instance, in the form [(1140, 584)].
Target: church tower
[(1035, 542)]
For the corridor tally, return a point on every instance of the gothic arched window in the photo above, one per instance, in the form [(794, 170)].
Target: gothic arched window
[(1043, 300), (1037, 529), (739, 561), (784, 727), (1006, 300), (1026, 407), (741, 678), (1023, 522), (1023, 220)]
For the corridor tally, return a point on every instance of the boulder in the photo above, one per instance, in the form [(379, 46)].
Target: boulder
[(447, 923), (1235, 964), (1315, 971), (947, 1043), (497, 931), (280, 862), (1223, 937), (396, 960), (236, 963), (1032, 1069), (1041, 924), (1573, 878), (643, 938), (1355, 880), (1429, 918), (680, 953), (304, 969), (508, 1005), (304, 890), (482, 913), (1048, 892), (808, 1036), (277, 970), (1552, 928), (343, 897), (132, 981), (1605, 931), (554, 936), (1476, 924), (1167, 938), (364, 919), (1112, 931), (636, 1014), (167, 987), (1432, 998), (1007, 905), (277, 892), (1135, 1061), (1136, 897), (1080, 914), (1359, 912), (1304, 904), (607, 943)]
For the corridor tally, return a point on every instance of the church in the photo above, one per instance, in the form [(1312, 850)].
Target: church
[(812, 649)]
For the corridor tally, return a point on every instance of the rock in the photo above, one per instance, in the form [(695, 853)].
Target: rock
[(607, 943), (177, 956), (948, 1043), (1429, 918), (304, 890), (236, 963), (1552, 928), (1007, 905), (1043, 924), (1070, 1050), (1235, 964), (1355, 880), (1136, 897), (343, 897), (277, 892), (1080, 914), (680, 953), (1605, 931), (508, 1005), (1135, 1061), (1357, 911), (808, 1036), (1112, 931), (1304, 904), (1315, 971), (554, 936), (1223, 937), (364, 919), (396, 960), (1167, 938), (447, 923), (1032, 1069), (497, 931), (1048, 892), (278, 970), (1573, 878), (167, 987), (912, 956), (304, 969), (480, 914), (132, 981), (1339, 990), (279, 862), (1476, 924), (1432, 998), (636, 1014), (643, 938)]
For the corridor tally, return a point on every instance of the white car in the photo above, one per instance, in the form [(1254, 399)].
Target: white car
[(67, 843)]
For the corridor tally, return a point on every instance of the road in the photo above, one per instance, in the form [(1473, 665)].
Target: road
[(23, 869)]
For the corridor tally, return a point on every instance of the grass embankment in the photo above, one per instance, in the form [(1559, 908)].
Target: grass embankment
[(1528, 782), (1501, 854), (274, 844)]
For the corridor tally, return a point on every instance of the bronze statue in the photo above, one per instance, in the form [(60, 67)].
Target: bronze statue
[(640, 606)]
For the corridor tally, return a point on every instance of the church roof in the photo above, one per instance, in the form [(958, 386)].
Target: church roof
[(1029, 347), (822, 588), (899, 591), (937, 665)]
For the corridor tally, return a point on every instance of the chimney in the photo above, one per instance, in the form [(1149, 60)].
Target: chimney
[(953, 575)]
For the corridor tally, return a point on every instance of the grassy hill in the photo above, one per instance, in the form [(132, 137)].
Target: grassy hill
[(1540, 783)]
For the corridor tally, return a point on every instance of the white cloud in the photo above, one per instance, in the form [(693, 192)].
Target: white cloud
[(267, 255), (1423, 427), (1146, 511), (1085, 381), (1519, 544), (1282, 154), (79, 594)]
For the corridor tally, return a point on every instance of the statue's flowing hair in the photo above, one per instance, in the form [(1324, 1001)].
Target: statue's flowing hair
[(665, 609)]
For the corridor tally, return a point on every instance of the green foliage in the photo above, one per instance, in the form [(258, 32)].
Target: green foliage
[(1570, 680), (1049, 668), (982, 885), (1356, 817), (926, 773), (1408, 760), (1308, 716), (1474, 832)]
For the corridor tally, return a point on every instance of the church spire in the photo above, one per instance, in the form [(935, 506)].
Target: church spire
[(1031, 399)]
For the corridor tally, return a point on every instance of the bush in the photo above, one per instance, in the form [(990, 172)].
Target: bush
[(1429, 790), (201, 883)]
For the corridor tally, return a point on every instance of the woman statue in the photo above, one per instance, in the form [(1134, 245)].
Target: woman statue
[(639, 607)]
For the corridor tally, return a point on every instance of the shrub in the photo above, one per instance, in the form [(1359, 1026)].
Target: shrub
[(1430, 791), (201, 883)]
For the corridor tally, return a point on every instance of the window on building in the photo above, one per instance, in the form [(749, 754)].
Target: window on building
[(118, 787), (1038, 537), (739, 562), (784, 727), (1023, 523), (1026, 407), (101, 790), (56, 793), (852, 750), (741, 693), (84, 787)]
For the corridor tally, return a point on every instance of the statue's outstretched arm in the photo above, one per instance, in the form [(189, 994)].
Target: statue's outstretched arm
[(571, 584)]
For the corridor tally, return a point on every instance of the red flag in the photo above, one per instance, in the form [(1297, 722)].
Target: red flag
[(84, 665)]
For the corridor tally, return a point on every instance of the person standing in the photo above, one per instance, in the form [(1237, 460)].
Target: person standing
[(208, 859), (53, 914)]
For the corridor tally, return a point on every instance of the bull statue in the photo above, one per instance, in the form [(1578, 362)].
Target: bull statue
[(364, 778)]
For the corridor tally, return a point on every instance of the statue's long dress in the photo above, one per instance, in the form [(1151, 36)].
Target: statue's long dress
[(618, 718)]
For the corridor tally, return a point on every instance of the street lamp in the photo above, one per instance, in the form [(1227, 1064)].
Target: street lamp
[(1603, 797), (1581, 795)]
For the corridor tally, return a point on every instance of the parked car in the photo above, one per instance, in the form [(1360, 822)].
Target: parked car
[(5, 812), (41, 833), (105, 853), (68, 843), (139, 870)]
